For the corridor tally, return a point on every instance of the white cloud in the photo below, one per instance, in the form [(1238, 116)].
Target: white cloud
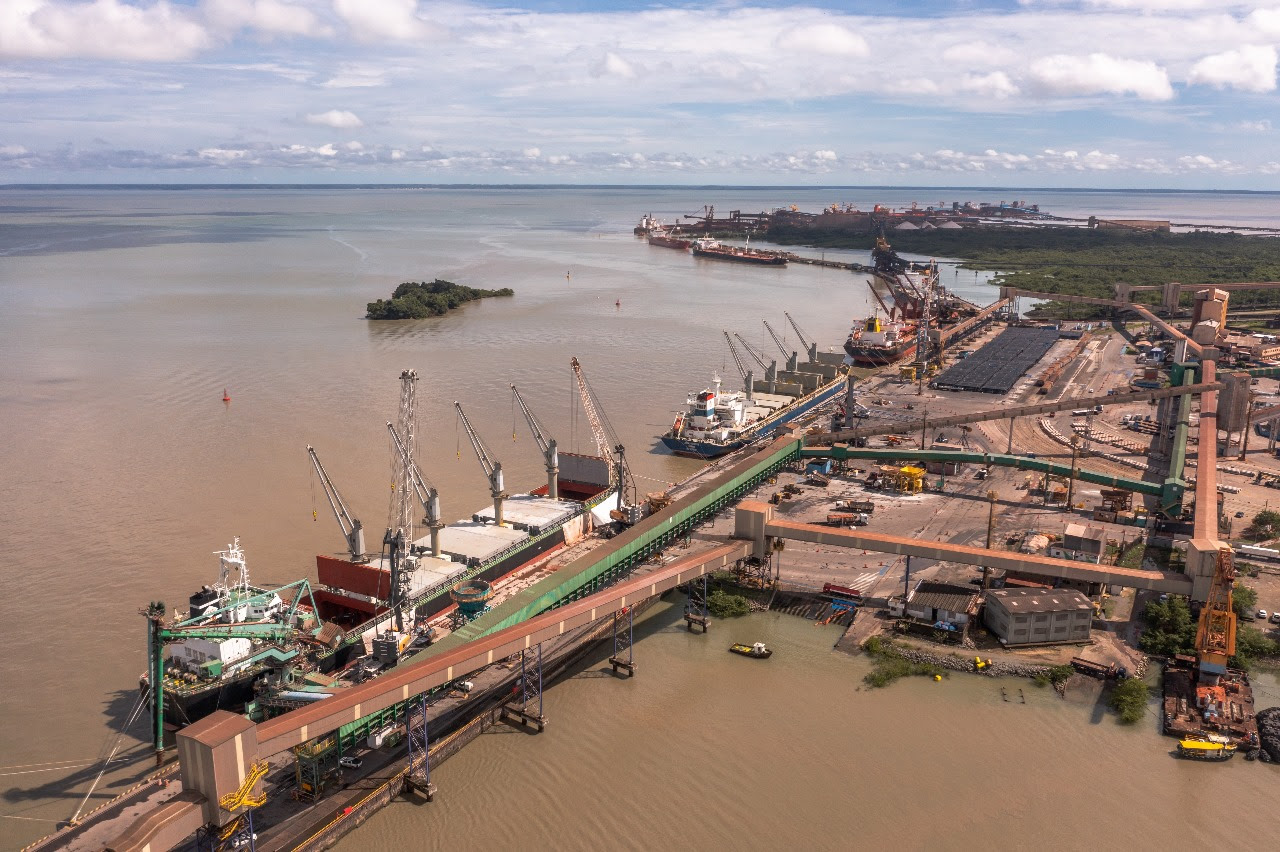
[(103, 29), (612, 65), (265, 16), (1260, 126), (1250, 68), (1265, 22), (825, 39), (379, 20), (337, 118), (1098, 73), (994, 85)]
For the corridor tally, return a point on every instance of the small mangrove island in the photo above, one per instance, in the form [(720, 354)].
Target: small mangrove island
[(416, 300)]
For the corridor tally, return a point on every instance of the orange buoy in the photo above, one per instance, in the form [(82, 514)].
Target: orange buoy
[(226, 397)]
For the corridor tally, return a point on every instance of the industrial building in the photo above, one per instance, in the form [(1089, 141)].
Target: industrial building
[(944, 606), (1081, 543), (1036, 616)]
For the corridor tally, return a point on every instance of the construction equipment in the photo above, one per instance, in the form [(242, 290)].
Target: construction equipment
[(748, 378), (492, 469), (810, 348), (545, 444), (1216, 632), (428, 496), (607, 443), (352, 530), (792, 357)]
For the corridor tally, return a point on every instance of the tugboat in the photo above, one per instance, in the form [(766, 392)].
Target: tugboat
[(1211, 748), (757, 650)]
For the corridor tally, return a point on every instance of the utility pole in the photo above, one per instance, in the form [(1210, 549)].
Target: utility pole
[(1009, 451), (991, 525), (1071, 482), (924, 424)]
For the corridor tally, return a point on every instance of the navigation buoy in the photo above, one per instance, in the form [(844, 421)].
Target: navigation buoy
[(226, 397), (618, 304)]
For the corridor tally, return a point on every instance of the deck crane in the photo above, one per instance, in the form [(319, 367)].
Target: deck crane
[(810, 348), (792, 357), (547, 445), (1216, 632), (427, 493), (747, 376), (352, 530), (770, 369), (492, 469), (607, 443)]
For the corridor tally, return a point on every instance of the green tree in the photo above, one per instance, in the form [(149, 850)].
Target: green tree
[(1129, 699), (1170, 629), (1265, 524), (721, 604), (1252, 646), (1243, 600)]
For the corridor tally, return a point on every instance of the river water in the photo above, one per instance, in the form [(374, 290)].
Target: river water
[(124, 314)]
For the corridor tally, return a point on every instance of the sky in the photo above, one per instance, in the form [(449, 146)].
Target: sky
[(1177, 94)]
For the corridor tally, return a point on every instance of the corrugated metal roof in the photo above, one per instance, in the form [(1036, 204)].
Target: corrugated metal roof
[(946, 596), (1040, 600)]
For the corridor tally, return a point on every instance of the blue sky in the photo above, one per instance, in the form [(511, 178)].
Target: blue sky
[(1096, 93)]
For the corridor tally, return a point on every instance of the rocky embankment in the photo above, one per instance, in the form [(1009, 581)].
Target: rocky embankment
[(1269, 732), (957, 663)]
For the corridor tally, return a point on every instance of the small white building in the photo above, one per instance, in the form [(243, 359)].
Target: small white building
[(1081, 543)]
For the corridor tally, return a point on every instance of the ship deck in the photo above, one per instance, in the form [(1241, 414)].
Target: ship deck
[(532, 512)]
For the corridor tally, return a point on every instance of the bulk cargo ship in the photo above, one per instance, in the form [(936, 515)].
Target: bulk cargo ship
[(717, 251), (715, 421), (877, 342), (664, 239), (242, 645)]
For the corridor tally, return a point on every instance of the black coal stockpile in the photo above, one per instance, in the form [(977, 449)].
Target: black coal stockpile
[(996, 367), (1269, 732)]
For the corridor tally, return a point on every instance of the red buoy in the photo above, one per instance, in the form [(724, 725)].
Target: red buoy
[(226, 397)]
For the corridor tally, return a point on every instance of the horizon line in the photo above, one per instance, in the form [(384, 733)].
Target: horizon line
[(621, 186)]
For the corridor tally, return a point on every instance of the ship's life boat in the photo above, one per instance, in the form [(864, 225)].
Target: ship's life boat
[(678, 426)]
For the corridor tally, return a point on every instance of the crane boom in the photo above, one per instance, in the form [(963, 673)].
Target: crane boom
[(756, 354), (606, 439), (777, 340), (810, 348), (547, 445), (603, 445), (492, 469), (428, 496), (1216, 632), (737, 359), (352, 530)]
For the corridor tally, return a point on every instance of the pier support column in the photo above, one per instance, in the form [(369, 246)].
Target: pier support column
[(623, 637), (695, 609), (415, 728), (527, 704)]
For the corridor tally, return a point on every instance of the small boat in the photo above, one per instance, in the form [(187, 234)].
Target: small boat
[(758, 650), (1194, 749)]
